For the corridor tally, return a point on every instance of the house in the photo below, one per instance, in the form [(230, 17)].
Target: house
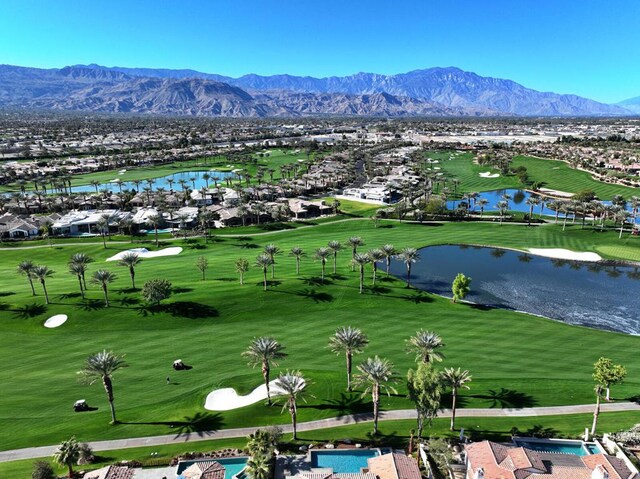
[(86, 221), (111, 472), (16, 227), (490, 460), (394, 466), (204, 470)]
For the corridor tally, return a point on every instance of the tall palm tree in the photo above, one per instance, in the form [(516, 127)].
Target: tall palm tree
[(84, 259), (455, 379), (154, 221), (79, 269), (335, 246), (322, 254), (389, 252), (130, 260), (272, 251), (42, 273), (408, 256), (67, 454), (375, 255), (598, 389), (103, 226), (361, 259), (426, 345), (103, 278), (263, 261), (265, 352), (291, 384), (354, 242), (26, 268), (297, 252), (242, 266), (259, 466), (350, 341), (375, 374), (100, 367)]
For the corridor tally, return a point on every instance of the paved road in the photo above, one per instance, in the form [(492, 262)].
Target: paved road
[(35, 452)]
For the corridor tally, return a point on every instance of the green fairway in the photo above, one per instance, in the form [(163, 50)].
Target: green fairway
[(553, 174), (516, 359)]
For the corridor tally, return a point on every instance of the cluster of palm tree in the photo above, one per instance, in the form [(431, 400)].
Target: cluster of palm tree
[(39, 272)]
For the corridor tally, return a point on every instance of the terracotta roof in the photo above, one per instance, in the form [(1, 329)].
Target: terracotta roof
[(394, 466), (204, 470), (110, 472)]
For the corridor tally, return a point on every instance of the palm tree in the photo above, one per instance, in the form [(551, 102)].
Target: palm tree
[(335, 246), (531, 201), (297, 252), (67, 454), (598, 389), (354, 242), (389, 252), (103, 226), (375, 255), (361, 259), (154, 221), (375, 374), (100, 367), (264, 352), (26, 268), (455, 379), (242, 266), (130, 260), (259, 466), (426, 346), (408, 256), (321, 254), (263, 261), (79, 269), (349, 341), (42, 273), (502, 206), (272, 251), (84, 259), (103, 278), (291, 384)]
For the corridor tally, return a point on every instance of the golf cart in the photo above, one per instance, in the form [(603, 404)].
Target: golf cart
[(80, 405)]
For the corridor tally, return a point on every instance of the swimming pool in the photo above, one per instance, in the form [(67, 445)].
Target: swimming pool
[(343, 460), (560, 447), (232, 465)]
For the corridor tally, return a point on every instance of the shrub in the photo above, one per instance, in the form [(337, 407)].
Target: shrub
[(42, 470), (156, 290)]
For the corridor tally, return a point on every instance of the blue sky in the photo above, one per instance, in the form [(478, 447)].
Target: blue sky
[(587, 47)]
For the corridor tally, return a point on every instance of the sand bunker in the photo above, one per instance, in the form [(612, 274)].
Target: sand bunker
[(55, 321), (559, 253), (488, 174), (145, 253), (227, 398)]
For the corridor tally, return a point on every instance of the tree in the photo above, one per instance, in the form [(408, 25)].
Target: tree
[(321, 254), (375, 255), (78, 269), (104, 278), (242, 266), (375, 374), (42, 273), (426, 345), (272, 251), (297, 252), (354, 242), (425, 389), (103, 227), (389, 252), (263, 261), (26, 268), (202, 264), (67, 454), (291, 384), (42, 470), (408, 256), (82, 258), (156, 290), (101, 367), (130, 260), (455, 379), (596, 412), (350, 341), (361, 259), (259, 466), (460, 287), (154, 221), (607, 374), (265, 352), (334, 246)]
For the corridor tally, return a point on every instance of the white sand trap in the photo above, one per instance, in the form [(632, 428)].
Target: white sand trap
[(145, 253), (488, 174), (559, 253), (227, 398), (55, 321)]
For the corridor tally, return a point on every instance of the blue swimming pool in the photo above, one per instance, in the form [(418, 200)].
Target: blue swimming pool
[(343, 461), (232, 465), (560, 447)]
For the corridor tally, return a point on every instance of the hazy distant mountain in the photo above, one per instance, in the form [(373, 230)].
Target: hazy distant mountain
[(632, 104), (432, 92)]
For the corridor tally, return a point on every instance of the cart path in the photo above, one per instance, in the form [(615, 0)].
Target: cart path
[(36, 452)]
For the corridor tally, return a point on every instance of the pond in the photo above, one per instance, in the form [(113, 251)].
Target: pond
[(587, 294), (161, 182)]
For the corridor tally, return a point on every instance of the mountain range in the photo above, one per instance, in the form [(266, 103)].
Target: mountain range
[(429, 92)]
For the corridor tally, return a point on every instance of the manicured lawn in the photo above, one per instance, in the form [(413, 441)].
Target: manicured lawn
[(515, 359), (395, 433)]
